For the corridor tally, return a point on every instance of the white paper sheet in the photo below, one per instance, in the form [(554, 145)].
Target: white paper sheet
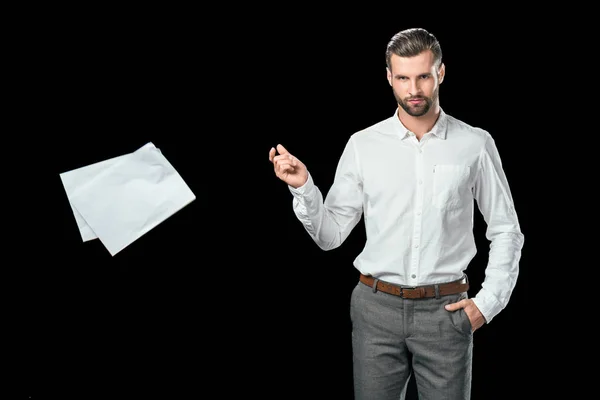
[(122, 198)]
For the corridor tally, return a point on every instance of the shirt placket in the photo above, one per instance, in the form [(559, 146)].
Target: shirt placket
[(418, 213)]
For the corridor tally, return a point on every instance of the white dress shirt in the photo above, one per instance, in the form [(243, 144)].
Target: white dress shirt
[(418, 203)]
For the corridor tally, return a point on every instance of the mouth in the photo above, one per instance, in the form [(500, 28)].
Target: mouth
[(416, 101)]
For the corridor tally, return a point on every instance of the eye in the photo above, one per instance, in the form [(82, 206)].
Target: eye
[(425, 76)]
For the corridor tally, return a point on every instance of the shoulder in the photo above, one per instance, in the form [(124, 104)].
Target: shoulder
[(458, 128), (471, 139), (381, 129)]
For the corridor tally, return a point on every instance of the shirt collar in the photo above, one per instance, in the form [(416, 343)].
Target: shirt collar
[(439, 128)]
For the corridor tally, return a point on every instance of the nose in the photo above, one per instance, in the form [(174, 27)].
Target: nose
[(414, 89)]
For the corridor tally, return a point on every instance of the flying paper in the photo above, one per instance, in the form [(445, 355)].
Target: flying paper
[(122, 198)]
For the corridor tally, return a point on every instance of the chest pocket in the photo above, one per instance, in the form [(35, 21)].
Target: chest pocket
[(450, 183)]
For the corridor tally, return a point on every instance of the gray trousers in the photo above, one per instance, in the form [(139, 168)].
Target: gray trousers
[(393, 338)]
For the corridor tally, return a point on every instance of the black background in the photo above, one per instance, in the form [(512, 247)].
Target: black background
[(230, 297)]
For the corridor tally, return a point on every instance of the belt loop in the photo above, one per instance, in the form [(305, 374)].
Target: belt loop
[(437, 290), (375, 282)]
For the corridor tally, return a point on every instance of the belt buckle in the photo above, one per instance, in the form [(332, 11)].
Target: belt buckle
[(402, 289), (420, 291)]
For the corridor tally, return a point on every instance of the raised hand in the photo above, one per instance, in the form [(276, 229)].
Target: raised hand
[(287, 167)]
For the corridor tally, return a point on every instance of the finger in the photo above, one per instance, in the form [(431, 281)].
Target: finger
[(286, 169), (286, 157), (271, 154), (458, 305), (282, 150), (284, 164), (283, 161)]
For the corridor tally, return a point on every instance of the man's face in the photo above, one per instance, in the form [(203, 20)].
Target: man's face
[(415, 82)]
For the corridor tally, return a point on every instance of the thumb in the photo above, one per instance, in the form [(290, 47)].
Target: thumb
[(282, 150), (453, 306)]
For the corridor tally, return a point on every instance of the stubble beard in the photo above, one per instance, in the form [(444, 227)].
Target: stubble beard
[(417, 110)]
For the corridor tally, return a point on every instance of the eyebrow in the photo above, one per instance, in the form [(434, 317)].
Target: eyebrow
[(421, 74)]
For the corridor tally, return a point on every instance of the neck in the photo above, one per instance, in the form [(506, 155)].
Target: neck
[(419, 125)]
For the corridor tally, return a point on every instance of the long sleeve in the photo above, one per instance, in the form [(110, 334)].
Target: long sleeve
[(495, 202), (330, 222)]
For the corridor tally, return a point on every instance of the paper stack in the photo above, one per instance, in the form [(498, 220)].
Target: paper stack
[(122, 198)]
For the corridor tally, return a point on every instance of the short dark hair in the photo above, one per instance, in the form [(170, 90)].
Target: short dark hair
[(412, 42)]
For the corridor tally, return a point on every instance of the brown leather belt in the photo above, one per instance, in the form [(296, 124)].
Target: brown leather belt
[(419, 291)]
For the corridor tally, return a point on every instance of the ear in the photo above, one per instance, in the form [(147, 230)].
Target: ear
[(441, 73), (389, 76)]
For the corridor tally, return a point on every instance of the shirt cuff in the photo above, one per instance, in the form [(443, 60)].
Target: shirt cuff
[(304, 189), (487, 305)]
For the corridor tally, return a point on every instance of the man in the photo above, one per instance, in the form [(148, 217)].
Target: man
[(416, 176)]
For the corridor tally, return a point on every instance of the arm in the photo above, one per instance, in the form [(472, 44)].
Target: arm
[(495, 203), (330, 222)]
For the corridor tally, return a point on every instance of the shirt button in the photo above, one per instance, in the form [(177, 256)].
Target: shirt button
[(416, 245), (418, 212), (413, 276), (420, 182)]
